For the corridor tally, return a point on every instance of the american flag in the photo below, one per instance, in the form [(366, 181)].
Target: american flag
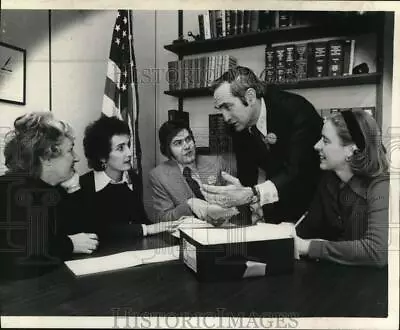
[(121, 93)]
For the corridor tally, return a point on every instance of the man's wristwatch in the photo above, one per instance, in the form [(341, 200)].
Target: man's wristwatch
[(256, 195)]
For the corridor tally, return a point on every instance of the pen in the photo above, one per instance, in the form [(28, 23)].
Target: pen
[(301, 219)]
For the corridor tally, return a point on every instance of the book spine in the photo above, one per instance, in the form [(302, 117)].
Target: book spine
[(283, 19), (276, 19), (301, 61), (185, 74), (212, 69), (203, 71), (218, 24), (321, 59), (310, 59), (213, 27), (179, 84), (280, 60), (346, 56), (227, 22), (352, 54), (270, 64), (290, 73), (201, 26), (234, 29), (223, 18), (196, 72), (254, 20), (264, 20), (246, 21), (171, 75), (335, 60), (207, 26), (239, 20)]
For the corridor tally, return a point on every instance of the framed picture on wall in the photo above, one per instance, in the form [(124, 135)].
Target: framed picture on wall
[(12, 74)]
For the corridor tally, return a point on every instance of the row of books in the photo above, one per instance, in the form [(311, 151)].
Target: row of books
[(222, 23), (198, 72), (292, 62), (329, 111)]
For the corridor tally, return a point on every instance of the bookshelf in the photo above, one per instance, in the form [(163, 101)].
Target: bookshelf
[(326, 25), (359, 79), (333, 26)]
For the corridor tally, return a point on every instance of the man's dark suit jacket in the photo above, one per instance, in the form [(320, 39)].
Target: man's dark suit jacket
[(291, 163)]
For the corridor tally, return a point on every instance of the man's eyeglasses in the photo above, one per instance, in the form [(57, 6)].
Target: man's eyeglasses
[(180, 142)]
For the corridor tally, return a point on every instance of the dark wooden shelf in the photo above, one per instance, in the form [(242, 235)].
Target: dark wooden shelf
[(357, 79), (333, 26), (203, 150)]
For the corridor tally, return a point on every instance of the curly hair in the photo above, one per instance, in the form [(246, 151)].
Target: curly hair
[(372, 160), (35, 136), (97, 139)]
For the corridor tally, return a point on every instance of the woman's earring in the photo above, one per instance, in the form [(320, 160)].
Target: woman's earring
[(347, 158), (103, 166)]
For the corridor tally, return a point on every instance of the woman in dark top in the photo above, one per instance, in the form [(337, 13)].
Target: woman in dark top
[(110, 191), (34, 208), (347, 222)]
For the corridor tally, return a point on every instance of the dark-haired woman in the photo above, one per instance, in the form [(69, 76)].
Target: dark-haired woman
[(348, 220), (110, 191)]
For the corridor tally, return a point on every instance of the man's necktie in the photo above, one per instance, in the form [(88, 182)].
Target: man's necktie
[(187, 173)]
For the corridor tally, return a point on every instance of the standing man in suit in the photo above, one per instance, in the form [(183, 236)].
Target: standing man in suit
[(176, 182), (273, 139)]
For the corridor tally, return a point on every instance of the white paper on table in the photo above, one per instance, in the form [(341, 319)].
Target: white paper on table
[(259, 232), (122, 260)]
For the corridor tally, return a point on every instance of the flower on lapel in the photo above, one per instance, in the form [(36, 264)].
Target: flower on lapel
[(271, 138)]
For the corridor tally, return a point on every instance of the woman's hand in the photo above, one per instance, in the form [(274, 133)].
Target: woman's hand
[(301, 246), (160, 227), (84, 242)]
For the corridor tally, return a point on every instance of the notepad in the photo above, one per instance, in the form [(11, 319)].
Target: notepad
[(122, 260)]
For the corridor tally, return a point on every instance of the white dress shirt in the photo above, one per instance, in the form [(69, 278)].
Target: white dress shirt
[(267, 189), (101, 180)]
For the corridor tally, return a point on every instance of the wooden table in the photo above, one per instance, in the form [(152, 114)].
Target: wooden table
[(313, 289)]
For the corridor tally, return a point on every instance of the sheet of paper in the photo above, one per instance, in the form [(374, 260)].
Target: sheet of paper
[(122, 260), (259, 232), (190, 223)]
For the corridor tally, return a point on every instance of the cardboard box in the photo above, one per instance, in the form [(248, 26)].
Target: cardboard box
[(227, 254)]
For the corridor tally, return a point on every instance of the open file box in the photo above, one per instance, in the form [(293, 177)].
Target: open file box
[(226, 254)]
